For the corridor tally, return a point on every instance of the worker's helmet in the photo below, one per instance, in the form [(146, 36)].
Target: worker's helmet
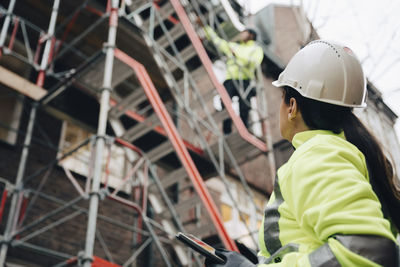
[(326, 72)]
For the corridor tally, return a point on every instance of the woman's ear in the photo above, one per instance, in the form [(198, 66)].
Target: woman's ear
[(293, 109)]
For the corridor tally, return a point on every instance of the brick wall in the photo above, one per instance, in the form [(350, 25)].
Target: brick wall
[(69, 237)]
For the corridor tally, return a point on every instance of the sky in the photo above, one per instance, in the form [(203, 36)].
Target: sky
[(370, 28)]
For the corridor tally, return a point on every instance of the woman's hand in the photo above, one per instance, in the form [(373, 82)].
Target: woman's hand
[(232, 258)]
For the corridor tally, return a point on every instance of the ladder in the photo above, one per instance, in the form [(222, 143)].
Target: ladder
[(151, 124)]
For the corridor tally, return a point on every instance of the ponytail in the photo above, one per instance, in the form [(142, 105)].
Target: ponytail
[(379, 167), (324, 116)]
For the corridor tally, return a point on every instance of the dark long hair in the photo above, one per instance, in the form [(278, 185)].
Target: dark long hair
[(324, 116)]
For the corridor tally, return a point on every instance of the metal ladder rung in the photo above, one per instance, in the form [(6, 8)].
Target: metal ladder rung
[(160, 151), (131, 100), (141, 128)]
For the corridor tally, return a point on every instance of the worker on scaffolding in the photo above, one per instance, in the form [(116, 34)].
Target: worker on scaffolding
[(244, 57), (335, 202)]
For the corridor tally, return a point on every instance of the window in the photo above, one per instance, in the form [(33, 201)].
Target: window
[(11, 104), (226, 211), (79, 161)]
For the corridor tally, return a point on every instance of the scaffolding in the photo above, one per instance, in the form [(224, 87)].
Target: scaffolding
[(160, 24)]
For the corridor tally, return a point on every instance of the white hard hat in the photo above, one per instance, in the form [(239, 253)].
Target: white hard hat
[(327, 72)]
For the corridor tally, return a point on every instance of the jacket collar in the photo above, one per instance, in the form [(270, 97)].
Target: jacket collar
[(248, 43), (302, 137)]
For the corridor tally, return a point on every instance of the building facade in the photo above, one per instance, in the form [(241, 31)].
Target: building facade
[(161, 133)]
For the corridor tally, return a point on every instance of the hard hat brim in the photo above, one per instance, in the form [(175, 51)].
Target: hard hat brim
[(277, 83)]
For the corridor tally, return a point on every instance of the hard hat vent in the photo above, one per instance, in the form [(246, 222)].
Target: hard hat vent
[(329, 45)]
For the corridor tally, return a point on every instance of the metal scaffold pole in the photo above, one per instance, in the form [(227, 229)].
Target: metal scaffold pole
[(47, 48), (6, 24), (101, 131), (12, 215)]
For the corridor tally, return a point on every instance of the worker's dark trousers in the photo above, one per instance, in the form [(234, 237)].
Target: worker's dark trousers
[(243, 107)]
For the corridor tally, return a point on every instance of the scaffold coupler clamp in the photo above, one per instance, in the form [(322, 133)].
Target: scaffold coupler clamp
[(82, 258), (103, 193), (4, 241), (108, 140), (9, 187), (106, 46)]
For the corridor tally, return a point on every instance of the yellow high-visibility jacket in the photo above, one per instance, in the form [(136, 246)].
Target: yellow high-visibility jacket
[(243, 58), (323, 211)]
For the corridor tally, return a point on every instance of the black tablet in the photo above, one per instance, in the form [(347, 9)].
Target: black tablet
[(199, 246)]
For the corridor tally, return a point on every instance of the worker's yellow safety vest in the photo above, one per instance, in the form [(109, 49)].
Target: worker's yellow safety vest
[(323, 211), (243, 58)]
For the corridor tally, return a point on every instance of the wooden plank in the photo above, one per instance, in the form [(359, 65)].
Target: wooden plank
[(20, 84)]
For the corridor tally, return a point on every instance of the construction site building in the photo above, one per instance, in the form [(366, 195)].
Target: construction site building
[(110, 129)]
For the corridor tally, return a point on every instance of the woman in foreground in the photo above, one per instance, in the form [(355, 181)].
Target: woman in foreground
[(334, 202)]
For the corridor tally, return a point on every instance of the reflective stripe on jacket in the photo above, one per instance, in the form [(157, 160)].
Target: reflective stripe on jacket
[(243, 58), (323, 211)]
